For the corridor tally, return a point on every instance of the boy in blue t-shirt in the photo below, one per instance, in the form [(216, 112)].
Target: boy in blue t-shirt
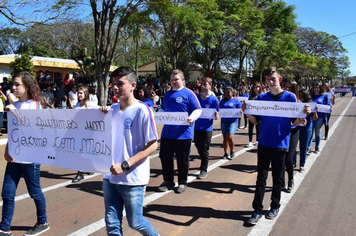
[(176, 139), (203, 129), (273, 145)]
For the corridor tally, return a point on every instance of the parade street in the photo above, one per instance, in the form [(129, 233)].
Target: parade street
[(322, 203)]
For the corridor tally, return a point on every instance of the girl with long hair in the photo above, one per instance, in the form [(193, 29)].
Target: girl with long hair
[(26, 88)]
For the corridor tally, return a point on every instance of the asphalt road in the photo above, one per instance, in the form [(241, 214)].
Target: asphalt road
[(323, 202)]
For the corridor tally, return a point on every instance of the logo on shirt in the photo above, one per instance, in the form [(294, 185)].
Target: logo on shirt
[(179, 99), (128, 123), (231, 104), (206, 105), (320, 100)]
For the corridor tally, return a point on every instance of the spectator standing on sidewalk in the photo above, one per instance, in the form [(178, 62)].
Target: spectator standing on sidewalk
[(176, 139), (203, 128)]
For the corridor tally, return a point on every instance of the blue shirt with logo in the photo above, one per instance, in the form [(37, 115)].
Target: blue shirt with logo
[(275, 131), (183, 100), (206, 124), (232, 103)]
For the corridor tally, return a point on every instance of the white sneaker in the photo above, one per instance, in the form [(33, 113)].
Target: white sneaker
[(256, 143), (249, 145)]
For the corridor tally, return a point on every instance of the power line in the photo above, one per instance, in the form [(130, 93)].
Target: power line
[(348, 35)]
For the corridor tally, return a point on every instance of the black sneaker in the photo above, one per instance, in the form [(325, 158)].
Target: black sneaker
[(317, 150), (271, 214), (202, 174), (165, 186), (290, 186), (5, 233), (38, 229), (254, 218), (79, 177)]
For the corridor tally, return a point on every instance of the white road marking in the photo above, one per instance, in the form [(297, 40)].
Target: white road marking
[(265, 226)]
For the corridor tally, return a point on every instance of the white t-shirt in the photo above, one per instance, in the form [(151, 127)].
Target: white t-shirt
[(93, 98), (29, 104), (73, 97), (90, 105), (132, 129)]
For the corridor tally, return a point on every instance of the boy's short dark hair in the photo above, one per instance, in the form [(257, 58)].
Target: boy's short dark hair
[(125, 71), (270, 71)]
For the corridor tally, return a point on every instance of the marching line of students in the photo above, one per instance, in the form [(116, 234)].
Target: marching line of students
[(276, 141)]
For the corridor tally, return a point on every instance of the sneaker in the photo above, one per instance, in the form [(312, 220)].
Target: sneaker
[(165, 186), (232, 155), (309, 151), (79, 177), (254, 218), (256, 143), (242, 127), (290, 186), (249, 145), (226, 156), (181, 188), (5, 233), (317, 150), (202, 174), (301, 169), (271, 214), (38, 229)]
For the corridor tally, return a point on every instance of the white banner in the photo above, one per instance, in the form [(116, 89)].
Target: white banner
[(208, 113), (324, 108), (230, 113), (77, 139), (241, 99), (171, 118), (278, 109), (329, 94), (342, 89)]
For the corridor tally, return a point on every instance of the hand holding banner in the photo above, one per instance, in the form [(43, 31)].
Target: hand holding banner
[(278, 109), (230, 113), (75, 139), (171, 118)]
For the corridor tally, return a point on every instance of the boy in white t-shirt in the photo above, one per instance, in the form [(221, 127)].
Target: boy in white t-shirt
[(134, 138)]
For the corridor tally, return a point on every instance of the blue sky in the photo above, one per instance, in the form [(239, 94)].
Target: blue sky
[(334, 17)]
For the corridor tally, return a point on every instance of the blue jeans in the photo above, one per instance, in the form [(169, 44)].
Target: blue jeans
[(304, 138), (116, 196), (317, 125), (31, 174)]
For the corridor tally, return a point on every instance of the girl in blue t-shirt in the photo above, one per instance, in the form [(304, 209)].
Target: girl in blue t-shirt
[(229, 125), (144, 95), (318, 96), (305, 132)]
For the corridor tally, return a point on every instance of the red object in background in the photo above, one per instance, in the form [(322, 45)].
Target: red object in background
[(114, 99), (209, 74)]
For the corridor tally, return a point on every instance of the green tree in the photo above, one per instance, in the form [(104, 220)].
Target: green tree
[(278, 47), (109, 18), (22, 62), (10, 40)]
